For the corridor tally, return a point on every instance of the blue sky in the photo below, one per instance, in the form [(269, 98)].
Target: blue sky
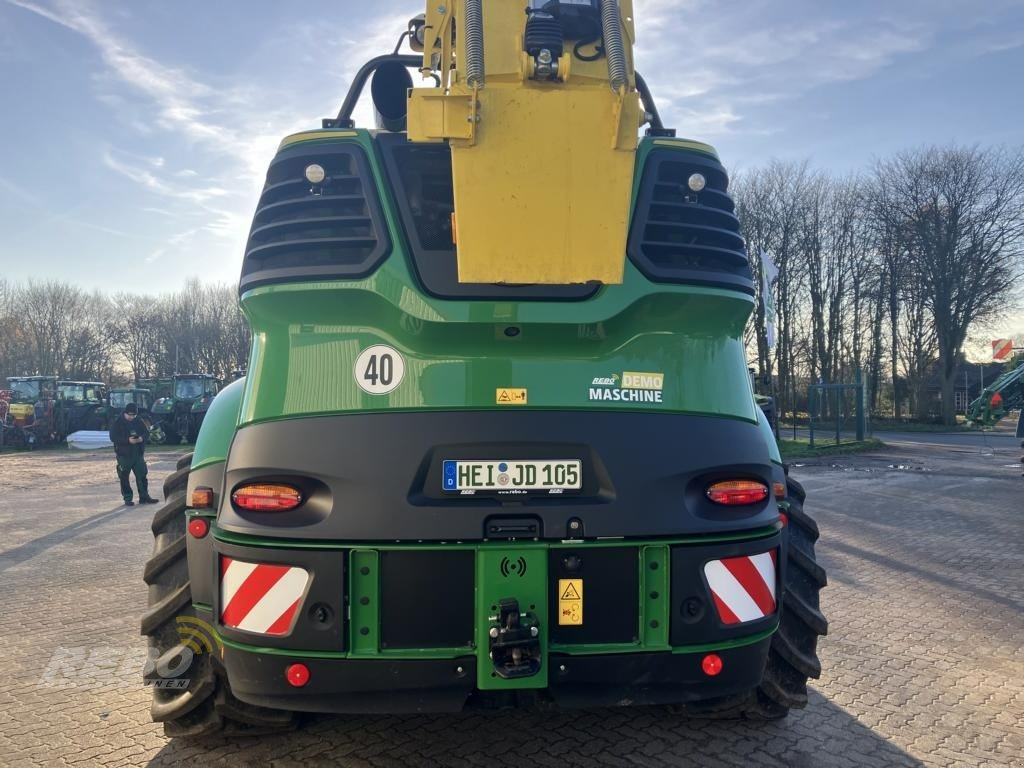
[(137, 133)]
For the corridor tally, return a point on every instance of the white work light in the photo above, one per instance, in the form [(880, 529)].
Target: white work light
[(315, 173), (696, 182)]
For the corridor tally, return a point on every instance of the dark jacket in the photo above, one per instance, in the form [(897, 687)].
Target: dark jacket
[(121, 431)]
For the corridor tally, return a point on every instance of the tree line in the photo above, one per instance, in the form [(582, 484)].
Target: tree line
[(885, 272), (57, 328)]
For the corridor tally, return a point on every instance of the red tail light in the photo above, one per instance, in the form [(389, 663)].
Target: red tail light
[(737, 492), (267, 497)]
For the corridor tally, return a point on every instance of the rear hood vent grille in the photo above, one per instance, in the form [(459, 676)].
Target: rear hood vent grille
[(305, 231), (682, 236)]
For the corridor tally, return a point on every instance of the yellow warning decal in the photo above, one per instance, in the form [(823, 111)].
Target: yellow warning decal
[(570, 602), (510, 396)]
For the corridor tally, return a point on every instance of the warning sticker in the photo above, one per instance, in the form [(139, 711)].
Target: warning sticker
[(570, 602), (634, 380), (510, 396)]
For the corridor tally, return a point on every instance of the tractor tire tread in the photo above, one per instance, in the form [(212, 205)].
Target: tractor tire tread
[(166, 609), (172, 509), (163, 559), (797, 516), (177, 480)]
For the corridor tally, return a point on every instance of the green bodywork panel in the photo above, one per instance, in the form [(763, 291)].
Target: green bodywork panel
[(219, 425), (769, 437), (307, 336)]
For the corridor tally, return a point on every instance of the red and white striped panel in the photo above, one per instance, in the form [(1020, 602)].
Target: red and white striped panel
[(260, 597), (743, 587)]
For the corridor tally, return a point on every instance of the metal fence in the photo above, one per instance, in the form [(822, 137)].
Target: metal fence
[(837, 410)]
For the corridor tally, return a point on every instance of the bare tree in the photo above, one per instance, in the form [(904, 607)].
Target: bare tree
[(134, 332), (15, 353), (769, 202), (962, 210)]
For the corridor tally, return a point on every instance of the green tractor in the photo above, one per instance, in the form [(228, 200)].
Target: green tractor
[(444, 483), (157, 387), (121, 396), (180, 414), (83, 405)]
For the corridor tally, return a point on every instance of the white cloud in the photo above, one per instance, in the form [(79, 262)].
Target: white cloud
[(228, 128), (712, 66), (145, 177), (172, 89)]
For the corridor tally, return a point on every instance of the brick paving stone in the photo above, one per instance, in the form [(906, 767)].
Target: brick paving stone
[(923, 664)]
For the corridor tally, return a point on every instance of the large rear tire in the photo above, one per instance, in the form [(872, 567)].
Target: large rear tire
[(793, 656), (205, 705)]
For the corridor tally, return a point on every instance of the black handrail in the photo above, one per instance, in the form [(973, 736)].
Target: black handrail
[(344, 118), (657, 128)]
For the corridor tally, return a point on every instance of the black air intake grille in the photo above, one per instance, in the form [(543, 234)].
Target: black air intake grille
[(304, 231), (682, 236)]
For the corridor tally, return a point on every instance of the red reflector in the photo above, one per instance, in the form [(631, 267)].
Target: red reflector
[(736, 492), (202, 497), (297, 675), (267, 497), (198, 527), (783, 519), (711, 664)]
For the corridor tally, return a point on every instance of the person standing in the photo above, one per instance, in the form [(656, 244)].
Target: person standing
[(129, 435)]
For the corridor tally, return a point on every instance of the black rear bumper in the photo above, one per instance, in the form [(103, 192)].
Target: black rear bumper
[(448, 685), (378, 476)]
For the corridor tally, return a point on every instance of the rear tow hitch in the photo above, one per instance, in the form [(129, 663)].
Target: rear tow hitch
[(515, 641)]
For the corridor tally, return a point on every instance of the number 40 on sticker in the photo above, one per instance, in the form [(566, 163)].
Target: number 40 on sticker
[(379, 369)]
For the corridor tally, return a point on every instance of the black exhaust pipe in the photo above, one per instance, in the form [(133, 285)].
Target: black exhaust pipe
[(389, 91)]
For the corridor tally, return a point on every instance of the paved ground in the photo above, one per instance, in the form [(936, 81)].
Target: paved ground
[(923, 666)]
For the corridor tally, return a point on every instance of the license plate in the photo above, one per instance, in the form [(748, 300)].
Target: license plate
[(554, 475)]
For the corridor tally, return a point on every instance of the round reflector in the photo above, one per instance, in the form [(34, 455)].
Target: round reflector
[(267, 497), (198, 527), (711, 664), (737, 492), (297, 675)]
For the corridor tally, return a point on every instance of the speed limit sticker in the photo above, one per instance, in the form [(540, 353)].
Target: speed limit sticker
[(379, 369)]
